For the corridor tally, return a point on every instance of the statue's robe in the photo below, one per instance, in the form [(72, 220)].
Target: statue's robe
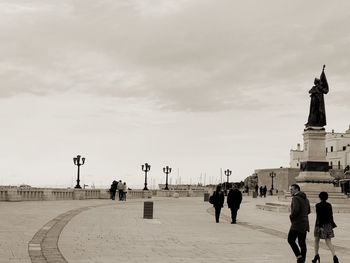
[(317, 115)]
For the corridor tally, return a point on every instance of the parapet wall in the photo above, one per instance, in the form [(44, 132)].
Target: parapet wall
[(16, 194)]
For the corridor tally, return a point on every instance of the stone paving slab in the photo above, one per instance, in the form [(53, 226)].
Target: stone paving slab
[(20, 221), (183, 230)]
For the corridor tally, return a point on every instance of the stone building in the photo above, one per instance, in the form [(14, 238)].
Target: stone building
[(337, 153), (283, 178)]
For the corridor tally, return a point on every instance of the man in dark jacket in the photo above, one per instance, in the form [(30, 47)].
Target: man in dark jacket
[(234, 199), (300, 209)]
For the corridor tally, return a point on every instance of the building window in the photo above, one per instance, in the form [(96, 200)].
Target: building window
[(326, 150), (344, 148), (338, 164), (331, 164), (331, 148), (297, 164)]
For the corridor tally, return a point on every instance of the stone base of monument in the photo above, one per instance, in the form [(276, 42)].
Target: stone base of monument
[(314, 176), (340, 202), (284, 207), (333, 197)]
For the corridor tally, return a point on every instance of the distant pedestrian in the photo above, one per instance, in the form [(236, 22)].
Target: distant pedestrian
[(113, 189), (125, 191), (234, 199), (264, 191), (218, 202), (120, 190), (300, 209), (256, 188), (324, 226), (247, 190), (261, 191)]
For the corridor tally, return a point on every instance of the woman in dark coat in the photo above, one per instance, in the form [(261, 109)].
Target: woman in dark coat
[(324, 226), (218, 202)]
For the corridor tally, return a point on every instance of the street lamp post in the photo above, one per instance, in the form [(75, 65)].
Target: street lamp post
[(227, 173), (77, 162), (166, 170), (272, 175), (145, 167)]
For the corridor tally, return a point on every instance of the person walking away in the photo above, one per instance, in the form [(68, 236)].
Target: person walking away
[(113, 189), (299, 217), (256, 188), (261, 191), (324, 226), (218, 202), (264, 191), (120, 190), (234, 199), (125, 191)]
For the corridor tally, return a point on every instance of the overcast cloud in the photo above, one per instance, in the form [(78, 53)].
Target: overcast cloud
[(197, 84)]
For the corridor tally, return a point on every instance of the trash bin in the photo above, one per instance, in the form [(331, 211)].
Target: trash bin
[(148, 210), (206, 197)]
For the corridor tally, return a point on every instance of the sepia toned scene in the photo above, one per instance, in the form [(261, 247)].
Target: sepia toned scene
[(174, 131)]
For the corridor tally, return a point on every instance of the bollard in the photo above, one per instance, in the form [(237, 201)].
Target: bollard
[(206, 197), (148, 210)]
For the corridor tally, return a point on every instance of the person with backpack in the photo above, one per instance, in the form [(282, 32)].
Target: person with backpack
[(217, 199)]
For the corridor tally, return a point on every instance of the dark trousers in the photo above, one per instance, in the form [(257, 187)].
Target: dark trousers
[(120, 195), (234, 214), (217, 214), (292, 236), (113, 195)]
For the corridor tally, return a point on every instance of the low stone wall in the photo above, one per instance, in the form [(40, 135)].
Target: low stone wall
[(3, 194), (181, 193), (50, 194), (13, 194)]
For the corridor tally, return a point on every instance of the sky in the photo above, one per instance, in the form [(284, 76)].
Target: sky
[(198, 85)]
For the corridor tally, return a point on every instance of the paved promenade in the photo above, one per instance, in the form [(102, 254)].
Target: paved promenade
[(183, 230)]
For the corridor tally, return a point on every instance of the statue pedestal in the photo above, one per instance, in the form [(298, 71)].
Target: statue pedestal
[(314, 173), (314, 176)]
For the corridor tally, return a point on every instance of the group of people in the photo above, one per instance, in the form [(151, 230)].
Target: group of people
[(122, 189), (324, 225), (261, 190), (234, 199), (300, 209)]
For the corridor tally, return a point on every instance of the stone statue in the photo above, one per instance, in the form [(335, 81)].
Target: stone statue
[(317, 115)]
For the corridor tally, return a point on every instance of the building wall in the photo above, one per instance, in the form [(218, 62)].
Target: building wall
[(284, 177), (337, 149), (296, 156)]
